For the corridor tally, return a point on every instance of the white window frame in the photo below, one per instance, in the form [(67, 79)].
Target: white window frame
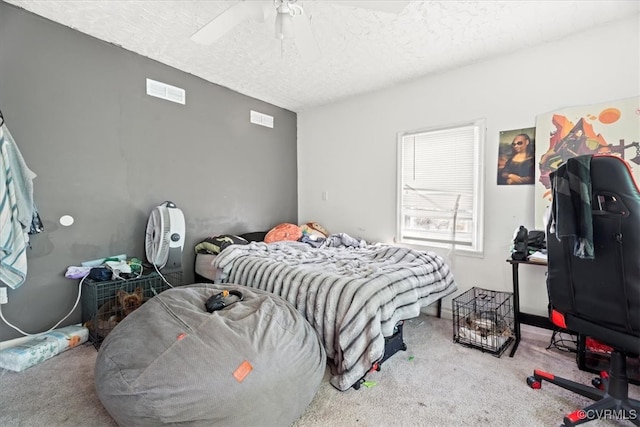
[(476, 244)]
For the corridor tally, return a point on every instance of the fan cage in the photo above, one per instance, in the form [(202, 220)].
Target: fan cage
[(157, 245), (165, 222)]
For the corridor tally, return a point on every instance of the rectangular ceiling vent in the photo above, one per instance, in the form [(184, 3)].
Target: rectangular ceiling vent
[(261, 119), (165, 91)]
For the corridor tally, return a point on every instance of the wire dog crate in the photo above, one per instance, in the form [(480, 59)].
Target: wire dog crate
[(484, 319), (105, 303)]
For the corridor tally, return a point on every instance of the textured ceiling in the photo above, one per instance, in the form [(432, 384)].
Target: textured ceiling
[(361, 49)]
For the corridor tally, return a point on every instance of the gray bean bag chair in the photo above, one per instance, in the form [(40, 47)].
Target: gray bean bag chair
[(256, 362)]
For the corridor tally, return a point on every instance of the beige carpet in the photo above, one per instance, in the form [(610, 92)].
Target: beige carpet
[(436, 382)]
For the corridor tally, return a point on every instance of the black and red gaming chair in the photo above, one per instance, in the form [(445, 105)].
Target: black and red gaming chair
[(596, 293)]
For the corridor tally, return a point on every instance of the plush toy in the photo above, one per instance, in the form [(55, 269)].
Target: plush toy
[(314, 230)]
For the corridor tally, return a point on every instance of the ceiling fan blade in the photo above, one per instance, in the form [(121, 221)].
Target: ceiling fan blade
[(389, 6), (228, 20), (305, 39)]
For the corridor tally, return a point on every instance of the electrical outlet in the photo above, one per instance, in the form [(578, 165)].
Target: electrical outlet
[(3, 295)]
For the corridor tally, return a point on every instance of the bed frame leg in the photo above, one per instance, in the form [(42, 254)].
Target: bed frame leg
[(439, 308)]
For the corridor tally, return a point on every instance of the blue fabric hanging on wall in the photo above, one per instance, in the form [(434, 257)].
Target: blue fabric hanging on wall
[(17, 211)]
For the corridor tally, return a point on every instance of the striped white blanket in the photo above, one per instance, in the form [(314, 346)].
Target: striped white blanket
[(353, 297)]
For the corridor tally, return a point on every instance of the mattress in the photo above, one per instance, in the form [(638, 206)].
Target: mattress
[(204, 266)]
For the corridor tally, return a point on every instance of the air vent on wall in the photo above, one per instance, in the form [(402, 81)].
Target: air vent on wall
[(165, 91), (261, 119)]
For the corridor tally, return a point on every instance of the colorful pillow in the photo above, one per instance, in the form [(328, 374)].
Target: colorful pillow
[(284, 231), (314, 230), (215, 245)]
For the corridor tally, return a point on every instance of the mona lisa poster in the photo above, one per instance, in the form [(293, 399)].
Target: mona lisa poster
[(516, 162), (610, 127)]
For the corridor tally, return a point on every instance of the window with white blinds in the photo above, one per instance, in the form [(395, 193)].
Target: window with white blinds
[(440, 187)]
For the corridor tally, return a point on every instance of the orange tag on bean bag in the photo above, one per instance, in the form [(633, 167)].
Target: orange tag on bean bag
[(242, 371)]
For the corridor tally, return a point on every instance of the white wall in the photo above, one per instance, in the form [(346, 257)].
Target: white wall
[(348, 149)]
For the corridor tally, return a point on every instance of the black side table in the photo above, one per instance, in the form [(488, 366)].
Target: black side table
[(519, 317)]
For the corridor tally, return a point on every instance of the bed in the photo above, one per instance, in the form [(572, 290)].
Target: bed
[(353, 295)]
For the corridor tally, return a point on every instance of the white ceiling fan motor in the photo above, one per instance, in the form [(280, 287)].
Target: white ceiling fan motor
[(293, 20), (286, 10), (165, 236)]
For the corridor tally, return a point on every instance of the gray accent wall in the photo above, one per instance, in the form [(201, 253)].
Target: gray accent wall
[(107, 154)]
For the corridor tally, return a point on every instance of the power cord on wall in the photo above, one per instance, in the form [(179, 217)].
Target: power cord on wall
[(115, 275), (162, 277), (54, 326)]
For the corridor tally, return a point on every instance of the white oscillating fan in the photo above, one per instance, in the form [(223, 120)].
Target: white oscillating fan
[(165, 236)]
